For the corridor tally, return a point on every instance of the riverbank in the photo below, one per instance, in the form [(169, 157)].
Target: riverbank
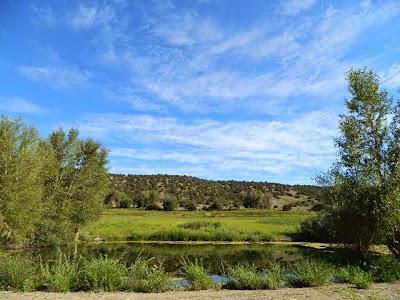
[(378, 291)]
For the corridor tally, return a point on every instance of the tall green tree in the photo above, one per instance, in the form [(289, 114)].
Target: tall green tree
[(22, 157), (75, 185), (364, 184)]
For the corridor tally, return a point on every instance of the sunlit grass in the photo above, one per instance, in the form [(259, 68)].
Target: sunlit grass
[(240, 225)]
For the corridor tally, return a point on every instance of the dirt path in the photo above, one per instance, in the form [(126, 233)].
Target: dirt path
[(382, 291)]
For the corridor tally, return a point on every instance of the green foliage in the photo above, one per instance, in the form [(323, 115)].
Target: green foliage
[(191, 206), (117, 199), (76, 185), (48, 188), (22, 165), (197, 275), (364, 185), (146, 277), (103, 274), (275, 277), (254, 199), (169, 202), (61, 276), (187, 189), (18, 273), (244, 278), (309, 273), (196, 225), (354, 274)]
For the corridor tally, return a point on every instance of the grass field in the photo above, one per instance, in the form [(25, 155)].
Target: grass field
[(237, 225)]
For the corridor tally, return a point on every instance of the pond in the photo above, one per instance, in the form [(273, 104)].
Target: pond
[(213, 256)]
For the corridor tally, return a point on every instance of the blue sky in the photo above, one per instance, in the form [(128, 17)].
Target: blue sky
[(234, 89)]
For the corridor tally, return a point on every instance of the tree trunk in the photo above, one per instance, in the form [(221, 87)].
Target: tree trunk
[(76, 244), (394, 245)]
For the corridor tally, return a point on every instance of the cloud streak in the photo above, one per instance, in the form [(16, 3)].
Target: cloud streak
[(20, 105)]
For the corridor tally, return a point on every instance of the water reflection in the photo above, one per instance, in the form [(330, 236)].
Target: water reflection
[(212, 256)]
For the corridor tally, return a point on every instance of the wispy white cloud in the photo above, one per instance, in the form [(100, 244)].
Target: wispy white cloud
[(391, 78), (294, 7), (188, 29), (89, 16), (20, 105), (44, 15), (261, 146), (65, 77)]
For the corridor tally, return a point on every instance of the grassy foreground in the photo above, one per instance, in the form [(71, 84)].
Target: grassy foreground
[(26, 274), (229, 226)]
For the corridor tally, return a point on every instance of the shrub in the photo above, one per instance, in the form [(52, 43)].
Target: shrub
[(191, 206), (311, 273), (354, 274), (244, 278), (287, 207), (143, 277), (274, 277), (197, 276), (103, 274), (18, 273), (153, 206), (62, 276)]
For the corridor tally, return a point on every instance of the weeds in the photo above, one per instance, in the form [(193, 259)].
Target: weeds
[(146, 277), (244, 278), (103, 274), (275, 277), (310, 273), (197, 275), (18, 273), (62, 276)]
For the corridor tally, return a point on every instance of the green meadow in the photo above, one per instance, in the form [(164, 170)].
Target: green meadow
[(224, 226)]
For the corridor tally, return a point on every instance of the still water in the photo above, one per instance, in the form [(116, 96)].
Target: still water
[(213, 256)]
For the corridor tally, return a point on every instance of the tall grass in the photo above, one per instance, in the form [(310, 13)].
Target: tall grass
[(244, 278), (240, 225), (197, 275), (143, 276), (354, 274), (275, 277), (25, 274), (103, 274), (19, 273), (311, 273), (61, 276)]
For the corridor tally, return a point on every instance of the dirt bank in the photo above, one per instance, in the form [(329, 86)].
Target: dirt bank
[(382, 291)]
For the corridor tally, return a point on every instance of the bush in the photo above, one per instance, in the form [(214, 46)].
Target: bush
[(244, 278), (153, 206), (143, 277), (18, 273), (103, 274), (274, 277), (316, 229), (311, 273), (354, 274), (287, 207), (191, 206), (62, 276), (197, 276)]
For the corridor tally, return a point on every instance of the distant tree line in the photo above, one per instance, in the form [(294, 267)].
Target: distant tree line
[(49, 187), (169, 192)]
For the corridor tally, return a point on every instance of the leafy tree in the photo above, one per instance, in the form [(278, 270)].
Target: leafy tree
[(364, 184), (118, 199), (75, 184), (22, 158), (169, 202)]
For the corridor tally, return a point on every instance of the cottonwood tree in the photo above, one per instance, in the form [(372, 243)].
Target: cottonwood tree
[(22, 159), (75, 185), (364, 184)]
